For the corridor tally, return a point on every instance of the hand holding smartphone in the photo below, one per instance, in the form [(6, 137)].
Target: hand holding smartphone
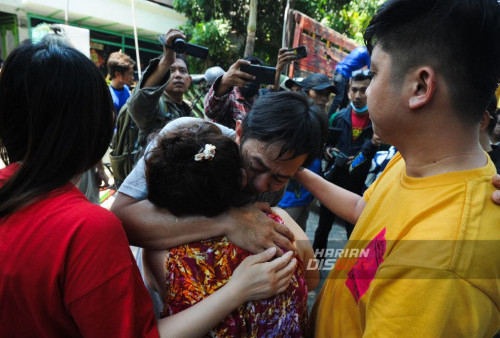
[(263, 74), (300, 52)]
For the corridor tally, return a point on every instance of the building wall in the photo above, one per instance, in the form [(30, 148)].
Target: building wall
[(113, 15)]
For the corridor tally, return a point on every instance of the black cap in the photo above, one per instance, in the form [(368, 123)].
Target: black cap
[(296, 80), (318, 81)]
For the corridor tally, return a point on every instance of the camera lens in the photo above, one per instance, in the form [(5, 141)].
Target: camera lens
[(179, 45)]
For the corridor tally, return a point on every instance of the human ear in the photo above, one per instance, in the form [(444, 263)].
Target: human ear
[(239, 132), (244, 180), (485, 121), (423, 87)]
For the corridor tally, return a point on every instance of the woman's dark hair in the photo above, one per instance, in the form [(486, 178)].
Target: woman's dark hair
[(289, 119), (187, 187), (56, 120)]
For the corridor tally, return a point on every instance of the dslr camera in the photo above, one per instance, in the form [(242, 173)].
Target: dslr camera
[(339, 160)]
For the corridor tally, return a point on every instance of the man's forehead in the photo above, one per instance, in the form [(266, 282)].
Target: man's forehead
[(179, 63), (360, 84), (271, 150), (376, 56)]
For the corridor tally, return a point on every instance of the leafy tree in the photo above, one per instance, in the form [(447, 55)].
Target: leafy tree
[(221, 25), (348, 17), (232, 15)]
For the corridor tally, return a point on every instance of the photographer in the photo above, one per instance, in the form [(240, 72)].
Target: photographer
[(351, 132), (158, 97)]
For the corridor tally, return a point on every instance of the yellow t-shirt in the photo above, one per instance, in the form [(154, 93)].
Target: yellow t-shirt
[(427, 262), (497, 94)]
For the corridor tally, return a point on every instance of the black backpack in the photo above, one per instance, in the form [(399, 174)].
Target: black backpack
[(125, 147)]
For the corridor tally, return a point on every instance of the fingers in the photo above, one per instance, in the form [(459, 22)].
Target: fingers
[(260, 257), (280, 262), (250, 228), (263, 206), (240, 62), (285, 53), (284, 57), (235, 77), (285, 275), (245, 76), (287, 57), (173, 34), (281, 237), (282, 50), (288, 269), (328, 154), (496, 181), (284, 231), (496, 195)]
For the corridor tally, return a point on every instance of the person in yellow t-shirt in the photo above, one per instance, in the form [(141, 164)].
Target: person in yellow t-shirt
[(424, 257)]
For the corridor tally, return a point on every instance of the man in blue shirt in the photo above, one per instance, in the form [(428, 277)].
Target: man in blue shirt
[(357, 59), (121, 71)]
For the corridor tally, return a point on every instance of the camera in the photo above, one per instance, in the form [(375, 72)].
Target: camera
[(180, 46), (339, 160)]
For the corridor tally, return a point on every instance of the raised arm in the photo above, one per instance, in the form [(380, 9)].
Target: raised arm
[(217, 102), (341, 202), (234, 77), (167, 59), (284, 58), (143, 103)]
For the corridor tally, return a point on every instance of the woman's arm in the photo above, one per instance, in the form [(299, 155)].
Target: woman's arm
[(304, 249), (255, 278)]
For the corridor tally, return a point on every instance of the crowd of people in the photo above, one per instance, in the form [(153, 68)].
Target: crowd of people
[(401, 145)]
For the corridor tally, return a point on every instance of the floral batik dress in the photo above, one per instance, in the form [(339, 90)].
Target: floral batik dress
[(196, 270)]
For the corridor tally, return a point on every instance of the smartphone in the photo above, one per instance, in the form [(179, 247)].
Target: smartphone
[(300, 52), (263, 74)]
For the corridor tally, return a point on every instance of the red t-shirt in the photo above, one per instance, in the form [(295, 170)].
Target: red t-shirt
[(359, 123), (67, 271)]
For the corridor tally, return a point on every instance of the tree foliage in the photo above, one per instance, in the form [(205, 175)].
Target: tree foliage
[(221, 25), (351, 18)]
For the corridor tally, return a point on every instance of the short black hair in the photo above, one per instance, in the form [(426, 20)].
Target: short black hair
[(183, 58), (187, 187), (361, 75), (56, 119), (289, 119), (458, 38)]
